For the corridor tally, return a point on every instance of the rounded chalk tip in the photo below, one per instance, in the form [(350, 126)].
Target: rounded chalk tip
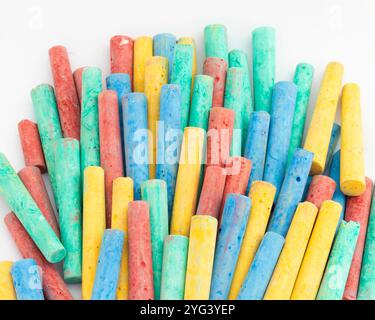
[(41, 89), (351, 88), (118, 77), (264, 31), (274, 237), (56, 255), (202, 78), (305, 67), (121, 40), (286, 86), (58, 49), (165, 36), (72, 278), (215, 27), (353, 188), (154, 184)]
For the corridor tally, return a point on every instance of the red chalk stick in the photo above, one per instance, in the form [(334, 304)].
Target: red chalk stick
[(77, 75), (217, 69), (141, 284), (66, 93), (212, 192), (321, 189), (54, 286), (358, 210), (110, 144), (31, 145), (122, 55)]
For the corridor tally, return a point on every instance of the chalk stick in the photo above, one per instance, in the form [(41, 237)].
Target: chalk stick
[(90, 144), (155, 77), (136, 140), (321, 189), (77, 76), (303, 78), (143, 50), (66, 92), (93, 225), (187, 183), (338, 266), (256, 144), (334, 173), (335, 137), (141, 285), (154, 192), (262, 267), (108, 269), (216, 41), (174, 268), (31, 145), (200, 257), (291, 191), (121, 48), (164, 46), (264, 60), (69, 191), (286, 271), (319, 133), (191, 41), (233, 225), (283, 104), (27, 280), (6, 282), (312, 268), (358, 210), (262, 195), (217, 69), (181, 75)]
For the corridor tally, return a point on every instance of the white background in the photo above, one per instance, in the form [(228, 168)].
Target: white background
[(314, 31)]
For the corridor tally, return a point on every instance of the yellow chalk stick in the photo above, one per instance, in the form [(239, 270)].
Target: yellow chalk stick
[(352, 173), (6, 283), (315, 259), (286, 271), (142, 52), (191, 41), (187, 183), (200, 257), (319, 133), (156, 75), (123, 193), (93, 225), (262, 195)]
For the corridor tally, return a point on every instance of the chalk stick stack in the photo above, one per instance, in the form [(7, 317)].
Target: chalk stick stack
[(168, 184)]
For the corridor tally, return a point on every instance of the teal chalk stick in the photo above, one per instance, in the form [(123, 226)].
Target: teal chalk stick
[(216, 41), (333, 142)]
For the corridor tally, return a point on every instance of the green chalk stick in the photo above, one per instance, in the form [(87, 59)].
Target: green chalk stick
[(174, 267), (303, 78), (216, 41), (91, 88), (339, 262), (68, 181), (22, 204)]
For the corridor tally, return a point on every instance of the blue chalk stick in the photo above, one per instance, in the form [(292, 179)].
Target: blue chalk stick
[(291, 191), (262, 267), (26, 280), (136, 140), (164, 44), (232, 230), (334, 173), (335, 137), (307, 187), (108, 269)]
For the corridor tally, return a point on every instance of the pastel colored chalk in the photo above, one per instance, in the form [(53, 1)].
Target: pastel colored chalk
[(256, 144), (191, 41), (262, 196), (358, 210), (93, 225), (31, 145), (136, 140), (143, 50), (291, 192), (288, 265), (182, 75), (121, 48), (303, 78), (54, 287), (174, 268), (122, 195), (217, 69), (155, 77), (219, 136), (108, 269), (319, 133), (307, 187), (164, 46), (20, 201), (66, 92), (264, 61), (333, 142), (90, 144), (216, 41), (154, 192), (312, 268), (321, 189), (6, 282), (69, 191), (283, 104), (141, 285), (200, 257), (27, 280), (232, 230), (77, 76), (262, 267), (340, 259)]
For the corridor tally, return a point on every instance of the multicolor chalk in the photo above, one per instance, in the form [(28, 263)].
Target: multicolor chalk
[(321, 189), (216, 41), (164, 46)]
